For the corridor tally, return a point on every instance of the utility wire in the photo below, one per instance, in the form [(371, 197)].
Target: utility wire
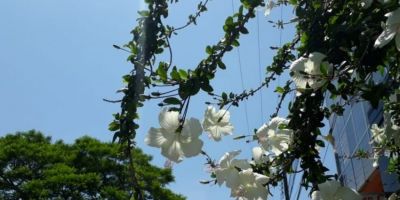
[(241, 78), (259, 66)]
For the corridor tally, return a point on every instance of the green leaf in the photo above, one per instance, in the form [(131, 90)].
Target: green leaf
[(206, 87), (175, 74), (113, 126), (161, 71), (172, 100), (320, 143), (324, 68), (144, 13), (244, 30), (229, 21), (209, 50), (224, 96), (221, 64), (183, 74), (280, 90), (126, 78), (235, 43), (116, 136), (239, 137)]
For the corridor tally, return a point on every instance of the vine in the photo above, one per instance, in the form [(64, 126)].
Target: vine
[(341, 48)]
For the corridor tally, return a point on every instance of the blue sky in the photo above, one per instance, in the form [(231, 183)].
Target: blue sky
[(57, 64)]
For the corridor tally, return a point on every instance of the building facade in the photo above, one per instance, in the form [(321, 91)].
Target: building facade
[(352, 138)]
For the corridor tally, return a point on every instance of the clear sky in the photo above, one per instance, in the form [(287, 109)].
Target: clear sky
[(57, 64)]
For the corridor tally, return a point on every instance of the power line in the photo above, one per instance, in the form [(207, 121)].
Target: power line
[(241, 77), (259, 66)]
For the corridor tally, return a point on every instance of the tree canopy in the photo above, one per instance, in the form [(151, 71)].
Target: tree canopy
[(32, 167)]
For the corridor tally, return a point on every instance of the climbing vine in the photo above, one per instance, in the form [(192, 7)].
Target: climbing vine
[(338, 49)]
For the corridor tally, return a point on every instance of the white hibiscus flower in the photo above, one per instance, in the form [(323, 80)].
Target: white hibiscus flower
[(227, 171), (251, 186), (273, 138), (378, 134), (217, 123), (308, 71), (332, 190), (392, 131), (390, 30), (175, 145)]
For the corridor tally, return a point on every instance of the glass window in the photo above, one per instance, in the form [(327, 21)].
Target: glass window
[(358, 172), (349, 176), (359, 120), (350, 134)]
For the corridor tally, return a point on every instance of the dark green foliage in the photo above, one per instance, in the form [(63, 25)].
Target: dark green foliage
[(34, 168)]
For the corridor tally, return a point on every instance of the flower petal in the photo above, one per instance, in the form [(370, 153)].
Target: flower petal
[(240, 163), (169, 120), (300, 80), (262, 132), (347, 193), (385, 37), (227, 157), (217, 123), (155, 138), (232, 178), (397, 39), (316, 58), (393, 17), (220, 175), (193, 148), (276, 121), (328, 189), (298, 65), (316, 195), (172, 150), (258, 154), (193, 127), (261, 179)]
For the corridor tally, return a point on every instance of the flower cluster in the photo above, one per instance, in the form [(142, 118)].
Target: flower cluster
[(238, 175), (179, 139)]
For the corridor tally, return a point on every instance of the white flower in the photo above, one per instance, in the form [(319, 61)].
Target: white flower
[(259, 155), (217, 123), (268, 7), (332, 190), (251, 186), (308, 71), (376, 155), (273, 138), (392, 131), (175, 145), (227, 171), (316, 195), (394, 196), (390, 30), (378, 134)]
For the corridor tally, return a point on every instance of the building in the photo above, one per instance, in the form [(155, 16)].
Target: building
[(352, 136)]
